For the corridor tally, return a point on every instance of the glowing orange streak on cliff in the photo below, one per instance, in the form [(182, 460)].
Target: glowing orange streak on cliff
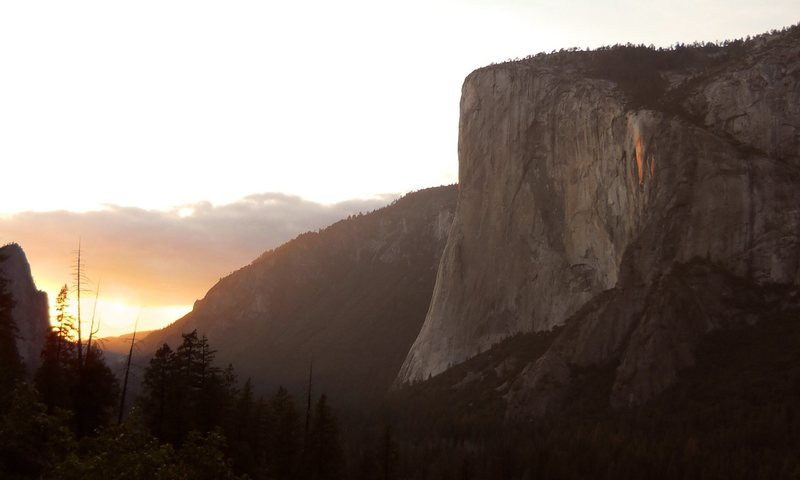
[(639, 162)]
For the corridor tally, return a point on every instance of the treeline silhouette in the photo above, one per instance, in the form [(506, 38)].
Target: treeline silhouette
[(637, 68), (750, 40), (192, 421), (735, 415)]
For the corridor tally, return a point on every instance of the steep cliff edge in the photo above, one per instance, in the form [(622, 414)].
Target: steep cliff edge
[(31, 311), (627, 206), (351, 298)]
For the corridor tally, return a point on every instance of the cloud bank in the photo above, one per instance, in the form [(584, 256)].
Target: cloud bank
[(154, 257)]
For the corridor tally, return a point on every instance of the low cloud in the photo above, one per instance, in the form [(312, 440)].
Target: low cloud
[(167, 257)]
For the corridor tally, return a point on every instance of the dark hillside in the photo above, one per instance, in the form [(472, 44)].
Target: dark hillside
[(351, 298), (734, 415)]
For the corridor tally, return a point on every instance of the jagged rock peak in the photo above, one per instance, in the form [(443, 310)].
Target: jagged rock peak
[(31, 310)]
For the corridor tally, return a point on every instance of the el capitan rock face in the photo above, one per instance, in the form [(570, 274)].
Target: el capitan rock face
[(31, 311), (640, 225)]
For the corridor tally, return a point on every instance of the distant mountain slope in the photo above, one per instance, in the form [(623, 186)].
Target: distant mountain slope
[(120, 345), (351, 298), (31, 311)]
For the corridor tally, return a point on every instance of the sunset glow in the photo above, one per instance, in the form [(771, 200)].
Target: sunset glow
[(160, 262), (114, 316), (180, 140), (119, 302)]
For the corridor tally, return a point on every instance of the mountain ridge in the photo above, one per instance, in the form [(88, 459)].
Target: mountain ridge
[(350, 298)]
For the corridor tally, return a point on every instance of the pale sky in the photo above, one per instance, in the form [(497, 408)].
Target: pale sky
[(150, 106)]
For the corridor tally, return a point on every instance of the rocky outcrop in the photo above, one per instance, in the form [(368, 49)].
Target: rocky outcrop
[(548, 200), (350, 298), (31, 311), (628, 222)]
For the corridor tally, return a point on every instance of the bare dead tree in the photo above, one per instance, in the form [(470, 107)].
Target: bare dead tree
[(308, 403), (92, 329), (127, 372), (80, 281)]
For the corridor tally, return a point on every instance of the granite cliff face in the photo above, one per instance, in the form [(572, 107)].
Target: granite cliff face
[(639, 221), (351, 298), (31, 311)]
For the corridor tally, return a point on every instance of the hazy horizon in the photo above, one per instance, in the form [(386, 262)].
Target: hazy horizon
[(146, 261), (137, 127)]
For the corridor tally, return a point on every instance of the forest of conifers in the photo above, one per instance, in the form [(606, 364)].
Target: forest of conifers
[(735, 415), (192, 420)]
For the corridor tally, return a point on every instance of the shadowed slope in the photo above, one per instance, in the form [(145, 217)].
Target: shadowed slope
[(351, 298)]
